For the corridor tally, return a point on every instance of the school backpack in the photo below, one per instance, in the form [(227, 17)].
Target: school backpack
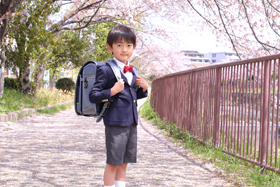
[(85, 80)]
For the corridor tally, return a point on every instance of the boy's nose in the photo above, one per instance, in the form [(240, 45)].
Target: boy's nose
[(124, 48)]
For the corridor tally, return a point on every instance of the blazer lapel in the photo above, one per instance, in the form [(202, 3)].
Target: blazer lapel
[(133, 79), (124, 78)]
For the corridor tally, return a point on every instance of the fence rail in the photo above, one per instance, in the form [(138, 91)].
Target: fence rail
[(233, 106)]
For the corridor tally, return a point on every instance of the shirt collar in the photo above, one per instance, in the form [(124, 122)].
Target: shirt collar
[(120, 64)]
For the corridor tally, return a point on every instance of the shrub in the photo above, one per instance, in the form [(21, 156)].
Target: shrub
[(12, 83), (152, 77), (65, 84)]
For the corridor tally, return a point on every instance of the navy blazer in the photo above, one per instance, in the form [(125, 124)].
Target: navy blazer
[(123, 108)]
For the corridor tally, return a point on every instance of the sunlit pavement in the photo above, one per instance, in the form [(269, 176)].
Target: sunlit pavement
[(69, 150)]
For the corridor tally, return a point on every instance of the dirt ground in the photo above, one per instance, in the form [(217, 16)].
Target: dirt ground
[(69, 150)]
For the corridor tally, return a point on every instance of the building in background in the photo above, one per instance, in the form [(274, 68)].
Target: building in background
[(9, 73), (221, 57), (194, 59)]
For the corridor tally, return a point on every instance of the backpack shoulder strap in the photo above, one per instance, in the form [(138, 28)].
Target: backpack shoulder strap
[(135, 71), (117, 74), (115, 68)]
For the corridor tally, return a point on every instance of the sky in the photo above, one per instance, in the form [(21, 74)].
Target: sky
[(184, 37)]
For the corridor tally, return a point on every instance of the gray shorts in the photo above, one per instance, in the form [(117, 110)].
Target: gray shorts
[(121, 144)]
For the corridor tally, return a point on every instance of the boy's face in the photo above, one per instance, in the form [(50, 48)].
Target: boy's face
[(122, 50)]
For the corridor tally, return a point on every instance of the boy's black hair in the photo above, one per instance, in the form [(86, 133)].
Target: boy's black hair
[(120, 32)]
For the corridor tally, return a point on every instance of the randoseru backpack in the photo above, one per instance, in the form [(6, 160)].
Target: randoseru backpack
[(84, 83)]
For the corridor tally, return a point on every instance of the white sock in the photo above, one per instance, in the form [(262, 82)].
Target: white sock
[(109, 186), (120, 183)]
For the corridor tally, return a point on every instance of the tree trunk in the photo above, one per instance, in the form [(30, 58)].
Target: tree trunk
[(38, 77), (2, 76), (6, 6), (52, 85), (26, 86)]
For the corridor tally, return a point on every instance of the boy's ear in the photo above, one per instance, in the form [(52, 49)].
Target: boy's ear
[(110, 49), (135, 45)]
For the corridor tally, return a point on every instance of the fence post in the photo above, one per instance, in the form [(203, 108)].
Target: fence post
[(265, 115), (193, 97), (217, 106)]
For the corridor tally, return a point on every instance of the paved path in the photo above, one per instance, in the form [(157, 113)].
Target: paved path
[(68, 150)]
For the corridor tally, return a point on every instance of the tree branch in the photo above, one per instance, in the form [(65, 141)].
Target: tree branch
[(267, 17), (273, 6), (80, 9), (209, 22), (228, 34), (253, 31), (167, 68)]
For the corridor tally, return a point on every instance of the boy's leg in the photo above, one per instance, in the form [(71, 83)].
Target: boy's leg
[(121, 176), (121, 172), (115, 173), (121, 146), (109, 174)]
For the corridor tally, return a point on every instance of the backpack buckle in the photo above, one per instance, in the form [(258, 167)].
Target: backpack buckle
[(85, 83)]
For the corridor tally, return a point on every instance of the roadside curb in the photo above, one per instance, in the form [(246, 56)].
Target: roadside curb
[(16, 115)]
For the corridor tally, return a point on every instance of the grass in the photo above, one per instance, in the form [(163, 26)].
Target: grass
[(244, 90), (239, 172), (14, 100), (55, 109), (7, 129)]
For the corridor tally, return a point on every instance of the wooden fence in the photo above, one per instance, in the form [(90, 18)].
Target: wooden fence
[(233, 106)]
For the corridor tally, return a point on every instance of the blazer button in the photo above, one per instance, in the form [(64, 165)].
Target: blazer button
[(130, 88), (133, 101)]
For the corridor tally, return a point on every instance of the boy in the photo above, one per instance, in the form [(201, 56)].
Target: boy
[(121, 118)]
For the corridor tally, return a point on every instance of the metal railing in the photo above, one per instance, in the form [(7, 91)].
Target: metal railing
[(233, 106)]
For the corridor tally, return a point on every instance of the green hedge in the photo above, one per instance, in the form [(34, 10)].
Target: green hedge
[(65, 84), (12, 83)]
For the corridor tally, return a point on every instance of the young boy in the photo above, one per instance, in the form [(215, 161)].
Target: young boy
[(121, 118)]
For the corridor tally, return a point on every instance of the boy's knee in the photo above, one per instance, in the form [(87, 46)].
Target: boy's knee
[(111, 167), (123, 166)]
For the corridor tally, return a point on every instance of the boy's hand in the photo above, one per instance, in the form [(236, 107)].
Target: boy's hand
[(118, 87), (142, 83)]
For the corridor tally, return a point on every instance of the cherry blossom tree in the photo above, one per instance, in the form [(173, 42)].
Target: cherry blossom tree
[(153, 61), (252, 27), (79, 15)]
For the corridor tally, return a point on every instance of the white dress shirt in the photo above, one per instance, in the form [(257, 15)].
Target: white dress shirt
[(128, 74)]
